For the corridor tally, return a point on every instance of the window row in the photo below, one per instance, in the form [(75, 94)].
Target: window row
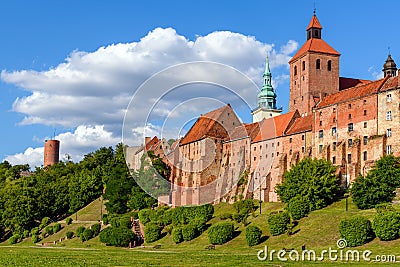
[(317, 66)]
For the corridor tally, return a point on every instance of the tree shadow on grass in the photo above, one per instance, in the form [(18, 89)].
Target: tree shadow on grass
[(264, 238), (235, 234)]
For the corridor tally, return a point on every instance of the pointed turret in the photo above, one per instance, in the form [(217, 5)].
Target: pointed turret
[(314, 28), (389, 68), (266, 98)]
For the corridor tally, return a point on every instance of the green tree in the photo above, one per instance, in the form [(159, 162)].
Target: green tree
[(140, 200), (313, 180), (379, 185)]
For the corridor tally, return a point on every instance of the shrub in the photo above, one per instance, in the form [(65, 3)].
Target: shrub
[(96, 229), (278, 223), (56, 227), (121, 221), (104, 218), (144, 216), (49, 230), (119, 237), (69, 234), (298, 208), (386, 225), (87, 234), (14, 239), (356, 231), (168, 229), (79, 231), (68, 221), (240, 217), (45, 221), (177, 236), (35, 231), (221, 233), (25, 234), (384, 207), (205, 211), (253, 235), (35, 238), (225, 216), (152, 232), (244, 206), (200, 224), (189, 232)]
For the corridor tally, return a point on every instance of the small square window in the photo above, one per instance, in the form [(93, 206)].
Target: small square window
[(350, 127), (302, 149), (333, 160), (320, 123), (389, 149), (365, 112), (365, 155), (348, 158), (350, 142), (334, 131), (320, 148), (334, 146), (321, 134), (302, 137), (349, 105), (388, 98), (290, 140), (365, 125), (349, 115), (365, 102)]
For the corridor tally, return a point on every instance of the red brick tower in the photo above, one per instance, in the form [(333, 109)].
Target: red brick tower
[(51, 152), (314, 71)]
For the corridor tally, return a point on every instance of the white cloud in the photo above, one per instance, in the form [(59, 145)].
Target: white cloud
[(94, 88), (83, 140)]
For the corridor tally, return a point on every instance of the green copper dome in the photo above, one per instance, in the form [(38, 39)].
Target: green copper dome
[(267, 96)]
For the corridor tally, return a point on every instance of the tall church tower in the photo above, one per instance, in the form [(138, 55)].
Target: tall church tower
[(266, 98), (314, 70)]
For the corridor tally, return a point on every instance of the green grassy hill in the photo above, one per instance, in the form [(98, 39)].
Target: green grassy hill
[(318, 231)]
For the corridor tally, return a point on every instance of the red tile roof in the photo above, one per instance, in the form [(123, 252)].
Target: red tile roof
[(245, 130), (345, 83), (301, 124), (392, 82), (315, 45), (275, 126), (151, 144), (314, 23), (352, 93), (206, 126)]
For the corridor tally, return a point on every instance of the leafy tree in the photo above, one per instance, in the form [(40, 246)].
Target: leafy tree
[(79, 231), (221, 233), (298, 208), (87, 234), (313, 180), (379, 185), (177, 236), (278, 223), (119, 237), (140, 199)]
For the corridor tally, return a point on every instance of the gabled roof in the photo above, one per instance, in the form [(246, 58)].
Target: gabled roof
[(205, 126), (315, 45), (314, 23), (245, 130), (152, 143), (352, 93), (275, 126), (345, 83), (391, 83), (301, 124)]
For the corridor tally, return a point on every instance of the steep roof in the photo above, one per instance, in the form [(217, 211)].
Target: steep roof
[(205, 126), (392, 82), (275, 126), (152, 143), (245, 130), (352, 93), (315, 45), (314, 23), (301, 124), (345, 83)]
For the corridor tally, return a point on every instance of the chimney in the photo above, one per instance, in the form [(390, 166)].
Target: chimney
[(147, 139)]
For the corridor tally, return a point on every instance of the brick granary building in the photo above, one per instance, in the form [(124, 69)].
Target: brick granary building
[(350, 122)]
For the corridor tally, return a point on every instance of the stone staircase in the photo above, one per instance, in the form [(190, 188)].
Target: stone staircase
[(137, 229)]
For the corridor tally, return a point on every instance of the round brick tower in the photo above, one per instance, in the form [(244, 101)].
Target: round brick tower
[(51, 152)]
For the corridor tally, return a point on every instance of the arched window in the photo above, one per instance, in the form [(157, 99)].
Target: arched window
[(329, 65), (304, 65), (318, 64), (295, 70)]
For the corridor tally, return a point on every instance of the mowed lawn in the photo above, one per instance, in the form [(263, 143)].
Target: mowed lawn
[(318, 231)]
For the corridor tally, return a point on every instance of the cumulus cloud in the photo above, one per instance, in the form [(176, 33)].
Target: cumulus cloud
[(94, 88), (76, 144)]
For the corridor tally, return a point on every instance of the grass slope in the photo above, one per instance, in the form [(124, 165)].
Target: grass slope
[(318, 231)]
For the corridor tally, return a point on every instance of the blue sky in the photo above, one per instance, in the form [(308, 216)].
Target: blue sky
[(70, 67)]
